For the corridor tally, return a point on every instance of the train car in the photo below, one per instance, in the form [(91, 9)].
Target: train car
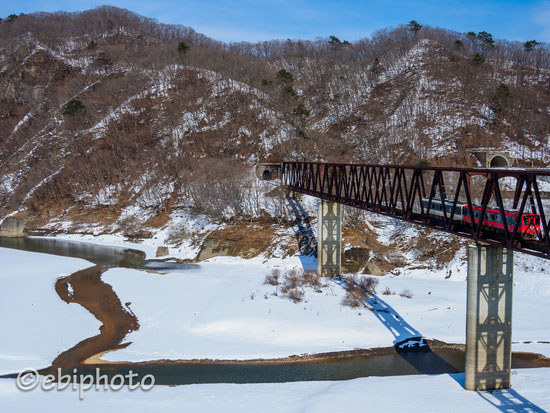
[(436, 209), (529, 223)]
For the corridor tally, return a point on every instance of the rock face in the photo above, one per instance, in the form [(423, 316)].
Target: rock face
[(13, 227), (162, 251)]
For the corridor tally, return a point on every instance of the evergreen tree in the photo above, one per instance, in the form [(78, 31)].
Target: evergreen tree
[(289, 91), (530, 45), (478, 59), (73, 106), (182, 47), (486, 38), (459, 44), (376, 68), (501, 99), (334, 41), (301, 111), (285, 76), (103, 59), (414, 26)]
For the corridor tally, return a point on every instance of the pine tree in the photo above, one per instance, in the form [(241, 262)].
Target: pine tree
[(73, 106), (478, 59), (376, 68), (182, 47), (334, 41), (414, 26), (103, 59), (301, 111), (486, 38), (285, 76), (501, 99), (530, 45)]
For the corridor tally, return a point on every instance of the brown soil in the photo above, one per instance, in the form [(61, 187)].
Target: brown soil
[(244, 240), (157, 221), (98, 297), (367, 254)]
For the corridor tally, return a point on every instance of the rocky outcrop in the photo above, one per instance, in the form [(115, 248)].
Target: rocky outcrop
[(162, 251), (13, 227)]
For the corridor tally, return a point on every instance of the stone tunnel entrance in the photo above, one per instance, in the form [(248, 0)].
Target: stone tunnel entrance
[(499, 162)]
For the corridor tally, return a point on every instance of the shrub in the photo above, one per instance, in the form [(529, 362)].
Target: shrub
[(295, 295), (285, 76), (273, 278), (368, 284), (350, 301), (387, 291), (406, 293), (73, 106), (311, 279)]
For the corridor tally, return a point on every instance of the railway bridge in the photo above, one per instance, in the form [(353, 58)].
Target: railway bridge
[(501, 210)]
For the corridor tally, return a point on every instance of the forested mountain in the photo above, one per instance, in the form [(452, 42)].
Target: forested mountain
[(106, 108)]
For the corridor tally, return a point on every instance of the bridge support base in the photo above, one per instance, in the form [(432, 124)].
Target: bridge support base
[(329, 239), (489, 318)]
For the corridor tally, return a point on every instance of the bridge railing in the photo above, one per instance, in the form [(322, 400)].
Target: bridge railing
[(482, 204)]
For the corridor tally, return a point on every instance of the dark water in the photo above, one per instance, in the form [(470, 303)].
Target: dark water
[(97, 254), (438, 362)]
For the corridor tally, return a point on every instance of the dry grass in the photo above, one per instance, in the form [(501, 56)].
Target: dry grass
[(358, 289), (273, 278), (406, 293), (293, 282), (387, 291)]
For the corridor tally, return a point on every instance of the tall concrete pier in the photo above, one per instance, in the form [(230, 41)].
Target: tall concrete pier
[(329, 239), (489, 318)]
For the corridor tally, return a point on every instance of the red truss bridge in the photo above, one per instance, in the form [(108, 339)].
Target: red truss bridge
[(501, 207)]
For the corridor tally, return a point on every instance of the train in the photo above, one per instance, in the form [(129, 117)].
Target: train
[(529, 225)]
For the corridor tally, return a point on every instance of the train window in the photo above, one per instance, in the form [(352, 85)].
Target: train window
[(537, 220), (525, 220)]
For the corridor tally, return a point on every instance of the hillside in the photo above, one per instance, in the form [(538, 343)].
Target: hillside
[(109, 125)]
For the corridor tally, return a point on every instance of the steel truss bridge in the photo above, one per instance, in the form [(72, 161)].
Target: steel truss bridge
[(402, 191)]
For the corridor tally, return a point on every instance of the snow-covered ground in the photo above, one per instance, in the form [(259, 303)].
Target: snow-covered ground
[(435, 393), (221, 309), (36, 324)]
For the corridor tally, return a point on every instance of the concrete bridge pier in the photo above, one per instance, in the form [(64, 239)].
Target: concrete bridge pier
[(489, 318), (329, 239)]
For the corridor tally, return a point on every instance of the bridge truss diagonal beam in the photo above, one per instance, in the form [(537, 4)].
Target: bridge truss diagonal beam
[(407, 192)]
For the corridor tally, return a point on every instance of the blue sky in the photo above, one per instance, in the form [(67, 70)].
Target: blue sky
[(249, 20)]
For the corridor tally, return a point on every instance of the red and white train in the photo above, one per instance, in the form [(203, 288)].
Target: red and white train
[(529, 223)]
